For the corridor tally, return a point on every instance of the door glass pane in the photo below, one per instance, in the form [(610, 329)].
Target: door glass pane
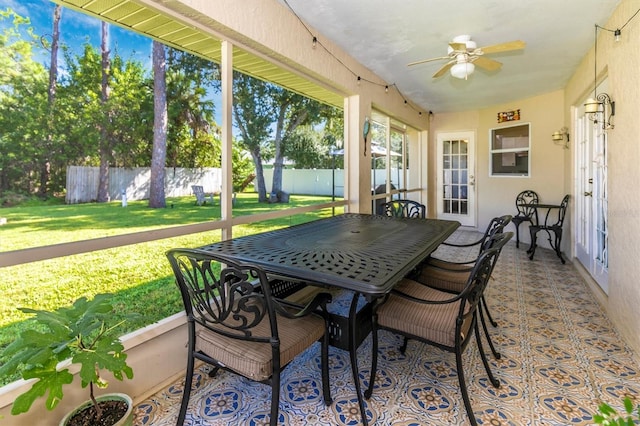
[(455, 176), (463, 207), (456, 170)]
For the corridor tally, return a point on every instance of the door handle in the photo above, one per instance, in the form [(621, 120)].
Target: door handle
[(588, 193)]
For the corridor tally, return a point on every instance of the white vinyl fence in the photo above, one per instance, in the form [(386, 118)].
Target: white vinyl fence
[(82, 182)]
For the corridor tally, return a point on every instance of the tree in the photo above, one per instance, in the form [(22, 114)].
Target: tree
[(23, 103), (193, 134), (45, 171), (311, 145), (80, 111), (253, 114), (105, 134), (159, 153), (260, 107)]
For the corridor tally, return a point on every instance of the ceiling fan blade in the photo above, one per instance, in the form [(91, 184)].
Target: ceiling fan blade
[(504, 47), (427, 60), (444, 69), (486, 63), (458, 47)]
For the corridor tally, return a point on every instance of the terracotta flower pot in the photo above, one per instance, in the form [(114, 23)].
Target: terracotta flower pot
[(126, 420)]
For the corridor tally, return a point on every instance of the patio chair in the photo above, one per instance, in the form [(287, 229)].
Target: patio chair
[(451, 275), (201, 196), (525, 213), (439, 318), (552, 225), (235, 324), (402, 208)]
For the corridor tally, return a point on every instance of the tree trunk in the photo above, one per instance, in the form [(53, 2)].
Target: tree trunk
[(45, 167), (276, 180), (276, 183), (160, 118), (105, 145), (262, 188)]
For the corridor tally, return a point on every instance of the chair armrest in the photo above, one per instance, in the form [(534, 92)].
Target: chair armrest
[(475, 243), (316, 305), (423, 301), (467, 263)]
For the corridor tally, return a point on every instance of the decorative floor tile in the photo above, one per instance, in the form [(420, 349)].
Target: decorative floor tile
[(561, 357)]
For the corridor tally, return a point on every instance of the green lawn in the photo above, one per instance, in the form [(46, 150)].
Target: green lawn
[(138, 275)]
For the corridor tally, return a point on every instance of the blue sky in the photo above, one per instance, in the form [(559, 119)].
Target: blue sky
[(77, 28)]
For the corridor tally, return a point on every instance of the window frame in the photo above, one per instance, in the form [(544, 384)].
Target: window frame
[(494, 133)]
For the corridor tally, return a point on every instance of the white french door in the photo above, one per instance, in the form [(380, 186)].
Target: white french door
[(591, 233), (456, 177)]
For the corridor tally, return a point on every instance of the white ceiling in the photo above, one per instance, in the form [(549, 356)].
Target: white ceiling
[(385, 35)]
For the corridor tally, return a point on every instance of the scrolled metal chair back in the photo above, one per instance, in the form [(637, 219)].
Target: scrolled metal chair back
[(526, 197), (230, 302), (479, 276), (403, 208), (495, 227), (562, 211)]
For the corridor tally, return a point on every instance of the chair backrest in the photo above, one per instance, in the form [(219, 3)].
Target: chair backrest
[(495, 227), (226, 297), (526, 197), (562, 211), (402, 208), (479, 278)]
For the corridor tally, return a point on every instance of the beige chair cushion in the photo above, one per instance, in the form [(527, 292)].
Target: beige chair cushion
[(436, 323), (444, 276), (252, 359)]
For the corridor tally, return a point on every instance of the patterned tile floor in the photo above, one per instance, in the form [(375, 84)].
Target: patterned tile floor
[(561, 356)]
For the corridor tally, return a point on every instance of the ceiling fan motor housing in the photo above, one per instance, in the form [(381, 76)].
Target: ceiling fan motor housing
[(462, 39)]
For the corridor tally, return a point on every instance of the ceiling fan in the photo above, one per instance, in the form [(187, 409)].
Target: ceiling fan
[(463, 55)]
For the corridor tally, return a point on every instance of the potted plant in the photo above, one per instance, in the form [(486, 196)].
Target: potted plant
[(79, 333), (608, 416)]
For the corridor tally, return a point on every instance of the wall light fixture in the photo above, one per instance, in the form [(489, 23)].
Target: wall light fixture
[(602, 104), (561, 137)]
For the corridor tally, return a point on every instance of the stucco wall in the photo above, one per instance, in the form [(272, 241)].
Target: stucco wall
[(552, 173), (619, 62), (495, 196)]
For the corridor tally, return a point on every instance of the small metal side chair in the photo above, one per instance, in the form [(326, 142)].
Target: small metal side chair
[(402, 208), (552, 225), (439, 318), (525, 213), (451, 275), (234, 323)]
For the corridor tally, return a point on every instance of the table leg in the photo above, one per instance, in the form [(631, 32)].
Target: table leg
[(353, 349)]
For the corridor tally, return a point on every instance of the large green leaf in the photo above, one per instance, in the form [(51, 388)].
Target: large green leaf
[(51, 381), (79, 332)]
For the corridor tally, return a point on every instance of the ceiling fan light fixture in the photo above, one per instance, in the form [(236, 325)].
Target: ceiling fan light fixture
[(462, 70)]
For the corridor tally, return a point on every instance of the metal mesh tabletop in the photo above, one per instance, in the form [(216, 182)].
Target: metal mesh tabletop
[(364, 253)]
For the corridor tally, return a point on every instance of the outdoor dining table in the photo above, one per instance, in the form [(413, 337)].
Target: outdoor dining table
[(366, 254)]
